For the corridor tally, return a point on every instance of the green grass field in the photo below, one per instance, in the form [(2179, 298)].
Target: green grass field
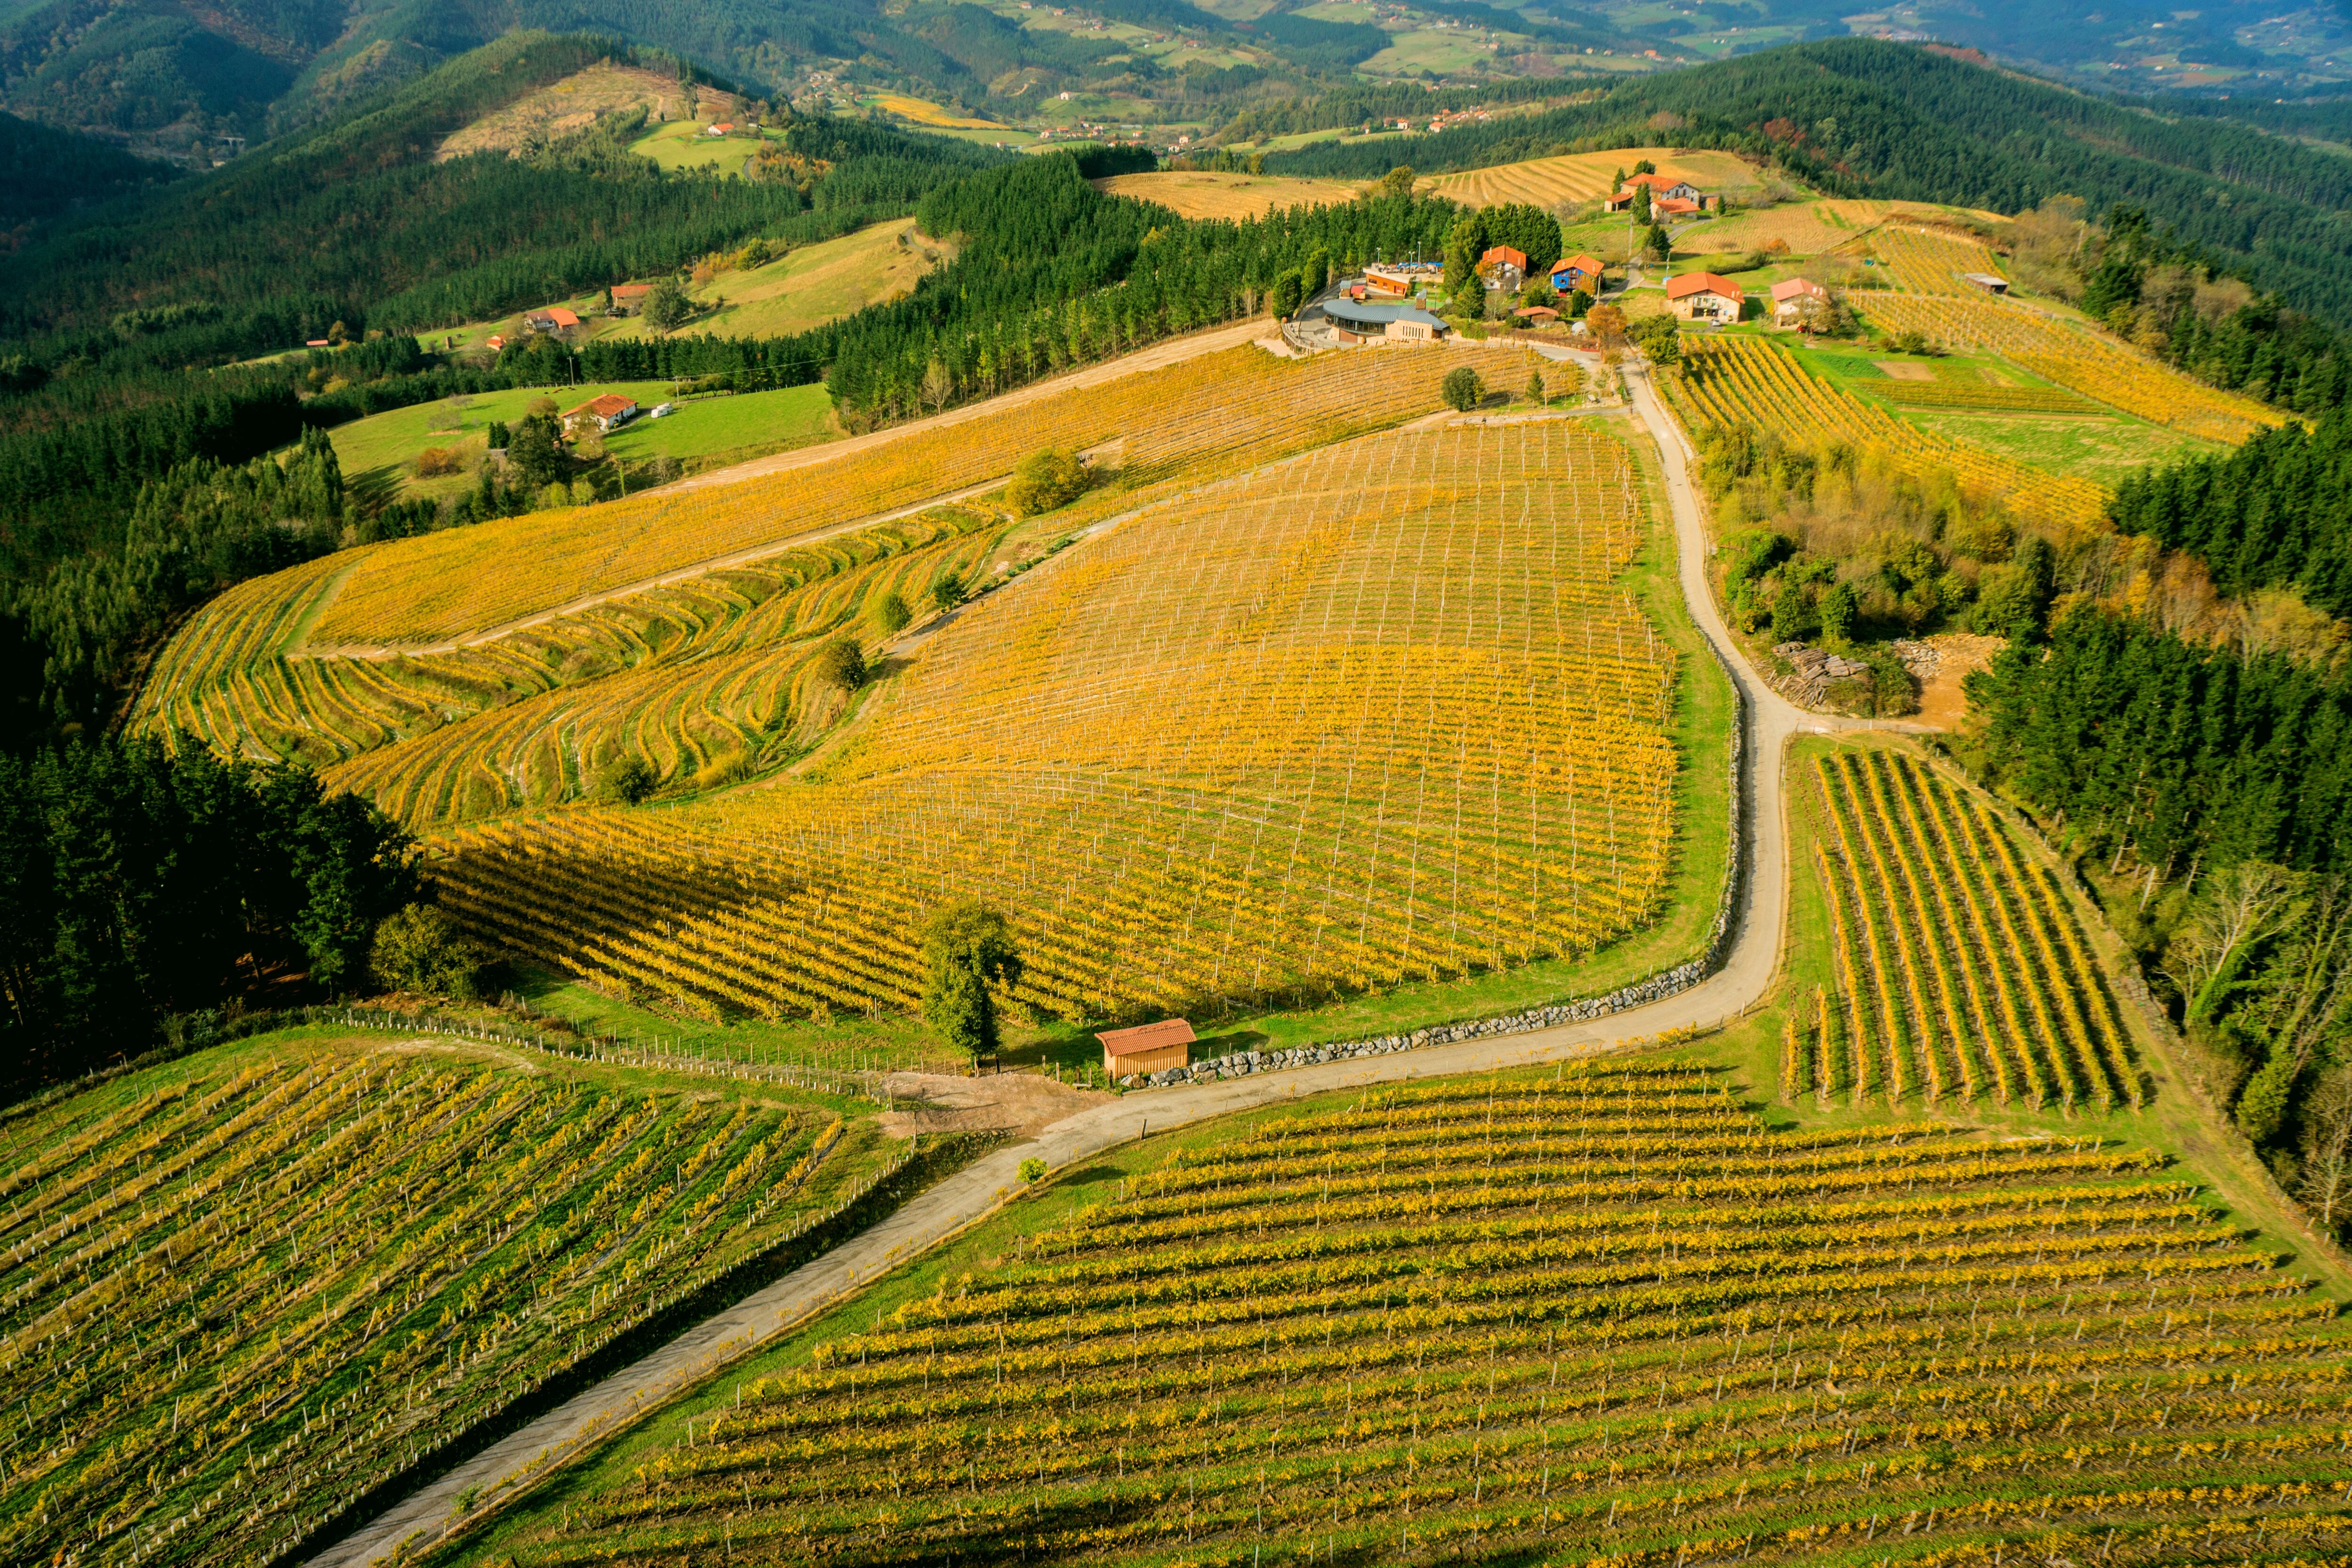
[(807, 287), (1446, 53), (2098, 443), (742, 423), (384, 447), (2102, 447), (683, 144)]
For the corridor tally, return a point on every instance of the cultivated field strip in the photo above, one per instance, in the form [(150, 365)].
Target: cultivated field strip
[(1917, 260), (1382, 713), (1973, 396), (231, 1306), (1961, 972), (1749, 381), (2076, 359), (1606, 1319), (692, 678), (1223, 406), (1576, 177)]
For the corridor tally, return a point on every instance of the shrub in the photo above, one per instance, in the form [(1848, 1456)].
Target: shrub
[(841, 663), (419, 949), (1462, 390), (947, 591), (887, 612), (625, 779), (1044, 481), (1033, 1169), (437, 460)]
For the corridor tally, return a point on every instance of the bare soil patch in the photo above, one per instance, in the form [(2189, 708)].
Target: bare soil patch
[(1017, 1103), (1905, 371), (575, 104), (1942, 704)]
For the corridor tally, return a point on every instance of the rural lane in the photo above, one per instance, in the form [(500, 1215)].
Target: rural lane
[(506, 1470), (1174, 351)]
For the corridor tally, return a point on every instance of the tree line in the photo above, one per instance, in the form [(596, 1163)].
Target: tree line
[(2218, 787), (2275, 513), (137, 884), (1053, 273)]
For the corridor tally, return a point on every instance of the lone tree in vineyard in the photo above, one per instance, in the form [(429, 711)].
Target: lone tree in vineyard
[(967, 948), (841, 663)]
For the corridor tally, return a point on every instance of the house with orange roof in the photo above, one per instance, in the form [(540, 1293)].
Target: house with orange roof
[(1663, 189), (1789, 296), (1503, 266), (1581, 271), (1704, 296), (602, 414)]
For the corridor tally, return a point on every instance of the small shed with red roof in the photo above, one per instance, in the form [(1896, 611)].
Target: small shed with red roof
[(1147, 1048)]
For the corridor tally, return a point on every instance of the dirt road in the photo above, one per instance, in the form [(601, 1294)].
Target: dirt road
[(503, 1472), (1174, 351)]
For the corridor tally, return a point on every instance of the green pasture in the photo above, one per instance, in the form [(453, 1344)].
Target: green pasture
[(381, 449), (740, 422), (683, 144)]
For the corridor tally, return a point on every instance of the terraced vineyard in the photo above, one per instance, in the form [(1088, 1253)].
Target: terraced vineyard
[(1746, 381), (1961, 972), (1609, 1318), (1231, 407), (705, 678), (1383, 712), (236, 1300), (686, 677), (1586, 176)]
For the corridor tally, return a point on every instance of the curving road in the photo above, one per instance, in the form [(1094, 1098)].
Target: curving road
[(504, 1471)]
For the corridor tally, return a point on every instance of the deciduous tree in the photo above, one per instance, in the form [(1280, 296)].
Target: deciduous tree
[(967, 948)]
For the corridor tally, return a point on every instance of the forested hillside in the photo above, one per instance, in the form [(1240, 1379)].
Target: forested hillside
[(2275, 513), (44, 172), (120, 328)]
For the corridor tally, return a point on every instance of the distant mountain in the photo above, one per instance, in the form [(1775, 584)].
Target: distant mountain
[(190, 82)]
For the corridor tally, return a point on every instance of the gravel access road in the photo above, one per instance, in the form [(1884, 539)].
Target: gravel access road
[(504, 1471)]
